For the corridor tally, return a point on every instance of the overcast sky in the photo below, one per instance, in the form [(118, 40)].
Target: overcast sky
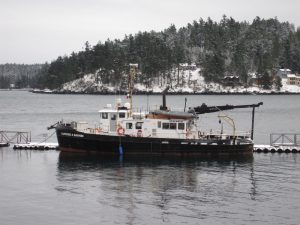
[(36, 31)]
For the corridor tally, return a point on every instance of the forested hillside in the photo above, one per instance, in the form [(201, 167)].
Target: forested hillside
[(20, 75), (227, 47)]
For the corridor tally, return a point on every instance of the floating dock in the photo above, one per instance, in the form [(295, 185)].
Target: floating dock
[(281, 143), (36, 146), (4, 144), (277, 149), (257, 148), (289, 144)]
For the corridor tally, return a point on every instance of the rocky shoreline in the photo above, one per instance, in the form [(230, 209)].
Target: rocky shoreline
[(156, 93)]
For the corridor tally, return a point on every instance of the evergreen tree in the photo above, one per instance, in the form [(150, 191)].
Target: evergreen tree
[(278, 83), (214, 67), (266, 80), (221, 48)]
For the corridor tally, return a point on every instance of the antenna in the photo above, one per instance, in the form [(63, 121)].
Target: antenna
[(132, 75)]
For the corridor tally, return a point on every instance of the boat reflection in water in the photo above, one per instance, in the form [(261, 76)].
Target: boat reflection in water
[(67, 159), (138, 189)]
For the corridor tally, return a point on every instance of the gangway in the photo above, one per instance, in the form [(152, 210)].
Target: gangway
[(281, 142), (285, 139), (17, 137)]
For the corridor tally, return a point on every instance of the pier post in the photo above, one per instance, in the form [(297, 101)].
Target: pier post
[(252, 125)]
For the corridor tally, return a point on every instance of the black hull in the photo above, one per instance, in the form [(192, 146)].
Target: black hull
[(70, 140)]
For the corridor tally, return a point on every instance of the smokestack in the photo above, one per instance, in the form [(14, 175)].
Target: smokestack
[(164, 106)]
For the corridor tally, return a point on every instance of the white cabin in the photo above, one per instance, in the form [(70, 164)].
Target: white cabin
[(154, 128), (118, 122)]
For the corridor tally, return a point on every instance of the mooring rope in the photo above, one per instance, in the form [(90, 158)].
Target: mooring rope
[(47, 138)]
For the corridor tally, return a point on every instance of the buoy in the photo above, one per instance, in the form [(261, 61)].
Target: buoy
[(287, 150), (120, 149), (294, 150), (273, 150), (121, 131), (266, 150), (258, 150), (279, 150)]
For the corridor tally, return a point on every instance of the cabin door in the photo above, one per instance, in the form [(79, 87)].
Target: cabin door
[(113, 122)]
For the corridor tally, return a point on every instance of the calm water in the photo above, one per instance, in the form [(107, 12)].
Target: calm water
[(51, 188)]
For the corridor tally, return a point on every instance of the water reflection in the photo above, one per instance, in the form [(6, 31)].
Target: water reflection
[(70, 161), (179, 186)]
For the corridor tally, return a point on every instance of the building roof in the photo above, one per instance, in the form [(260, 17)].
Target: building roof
[(231, 77), (292, 75), (285, 70)]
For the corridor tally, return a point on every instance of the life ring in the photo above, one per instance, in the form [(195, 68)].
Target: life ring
[(139, 133), (121, 131), (98, 130)]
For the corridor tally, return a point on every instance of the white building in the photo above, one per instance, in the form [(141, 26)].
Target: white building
[(186, 66), (293, 79), (282, 73)]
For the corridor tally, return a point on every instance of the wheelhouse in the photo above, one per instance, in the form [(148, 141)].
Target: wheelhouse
[(109, 119)]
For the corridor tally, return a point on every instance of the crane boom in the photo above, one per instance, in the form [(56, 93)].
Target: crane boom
[(210, 109)]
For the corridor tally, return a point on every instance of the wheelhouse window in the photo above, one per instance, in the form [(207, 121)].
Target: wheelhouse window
[(122, 115), (139, 125), (180, 126), (104, 115), (159, 124), (113, 117), (165, 126), (128, 125), (169, 126)]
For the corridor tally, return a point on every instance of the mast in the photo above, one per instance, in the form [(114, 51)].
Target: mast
[(131, 77)]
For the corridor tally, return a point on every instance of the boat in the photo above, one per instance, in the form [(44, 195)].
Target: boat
[(121, 131), (39, 91)]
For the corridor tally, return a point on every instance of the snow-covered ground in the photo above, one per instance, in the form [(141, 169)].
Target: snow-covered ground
[(191, 81), (289, 88)]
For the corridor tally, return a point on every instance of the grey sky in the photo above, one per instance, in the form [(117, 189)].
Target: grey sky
[(35, 31)]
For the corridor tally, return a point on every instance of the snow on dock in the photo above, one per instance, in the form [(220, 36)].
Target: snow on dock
[(4, 144), (36, 146)]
